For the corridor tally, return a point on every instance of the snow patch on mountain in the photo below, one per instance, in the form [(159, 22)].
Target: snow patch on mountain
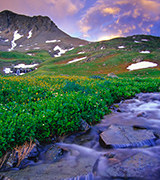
[(16, 36), (145, 40), (143, 52), (61, 51), (82, 52), (52, 41), (7, 70), (36, 48), (6, 40), (121, 47), (25, 66), (141, 65), (29, 34), (76, 60), (137, 41)]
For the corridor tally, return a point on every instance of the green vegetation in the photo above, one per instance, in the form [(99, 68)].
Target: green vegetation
[(42, 107), (52, 100)]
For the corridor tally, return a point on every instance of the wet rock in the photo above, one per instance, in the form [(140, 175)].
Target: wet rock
[(84, 126), (138, 166), (53, 154), (142, 114), (2, 177), (116, 108), (40, 153), (131, 101), (117, 136)]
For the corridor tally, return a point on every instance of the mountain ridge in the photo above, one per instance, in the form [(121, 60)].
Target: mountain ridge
[(36, 32)]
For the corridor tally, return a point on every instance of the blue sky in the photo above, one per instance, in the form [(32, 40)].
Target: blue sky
[(94, 20)]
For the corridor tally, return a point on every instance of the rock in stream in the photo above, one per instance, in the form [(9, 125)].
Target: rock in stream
[(117, 136)]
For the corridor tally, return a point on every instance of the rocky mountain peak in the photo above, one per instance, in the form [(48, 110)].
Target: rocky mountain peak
[(23, 33)]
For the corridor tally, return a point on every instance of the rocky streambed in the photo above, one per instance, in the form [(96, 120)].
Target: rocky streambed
[(124, 145)]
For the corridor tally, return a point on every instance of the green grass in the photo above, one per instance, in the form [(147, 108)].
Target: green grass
[(144, 73)]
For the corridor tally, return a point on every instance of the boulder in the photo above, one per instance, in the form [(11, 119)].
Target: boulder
[(112, 75), (117, 136), (138, 166)]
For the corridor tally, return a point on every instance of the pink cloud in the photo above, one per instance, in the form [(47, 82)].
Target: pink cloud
[(59, 9), (120, 17)]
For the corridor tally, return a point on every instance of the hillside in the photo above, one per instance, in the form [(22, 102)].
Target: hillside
[(101, 58), (98, 58)]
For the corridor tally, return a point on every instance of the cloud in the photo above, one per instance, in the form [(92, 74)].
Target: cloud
[(59, 9), (110, 10), (120, 18), (65, 7)]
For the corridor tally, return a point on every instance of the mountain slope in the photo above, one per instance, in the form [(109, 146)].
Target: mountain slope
[(23, 33), (102, 58)]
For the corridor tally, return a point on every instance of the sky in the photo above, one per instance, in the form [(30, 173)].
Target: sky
[(94, 20)]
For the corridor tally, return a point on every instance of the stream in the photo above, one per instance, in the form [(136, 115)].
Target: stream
[(124, 145)]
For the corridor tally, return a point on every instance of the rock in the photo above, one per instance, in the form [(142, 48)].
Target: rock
[(117, 136), (138, 166), (84, 126), (91, 58), (131, 101), (137, 59), (112, 75), (142, 114), (2, 177), (53, 154)]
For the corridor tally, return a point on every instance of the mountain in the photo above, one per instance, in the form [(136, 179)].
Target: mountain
[(23, 33), (36, 40)]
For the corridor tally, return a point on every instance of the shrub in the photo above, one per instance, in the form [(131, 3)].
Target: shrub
[(44, 107)]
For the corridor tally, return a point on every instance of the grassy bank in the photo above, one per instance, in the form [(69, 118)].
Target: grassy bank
[(42, 107)]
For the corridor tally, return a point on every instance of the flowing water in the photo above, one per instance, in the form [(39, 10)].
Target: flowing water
[(85, 158)]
